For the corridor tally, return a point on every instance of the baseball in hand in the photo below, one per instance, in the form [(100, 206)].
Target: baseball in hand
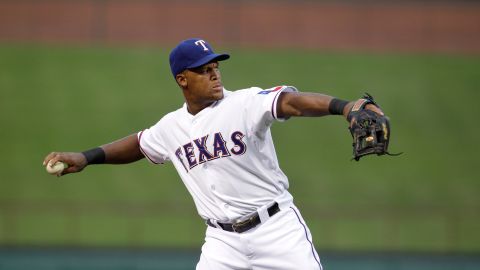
[(56, 168)]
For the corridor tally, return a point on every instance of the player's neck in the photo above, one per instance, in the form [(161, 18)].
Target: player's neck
[(194, 108)]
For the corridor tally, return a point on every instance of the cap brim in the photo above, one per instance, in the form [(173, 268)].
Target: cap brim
[(209, 58)]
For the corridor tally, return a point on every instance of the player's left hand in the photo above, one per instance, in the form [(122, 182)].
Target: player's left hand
[(370, 128), (375, 109)]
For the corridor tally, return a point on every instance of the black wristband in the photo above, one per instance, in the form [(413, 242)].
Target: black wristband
[(336, 106), (95, 156)]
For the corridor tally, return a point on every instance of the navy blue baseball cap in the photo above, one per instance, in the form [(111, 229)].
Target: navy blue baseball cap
[(192, 53)]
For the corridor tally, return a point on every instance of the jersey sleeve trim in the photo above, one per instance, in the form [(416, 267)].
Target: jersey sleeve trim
[(275, 100), (274, 105), (139, 138)]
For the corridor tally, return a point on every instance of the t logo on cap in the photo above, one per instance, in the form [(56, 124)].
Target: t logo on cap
[(201, 42), (187, 55)]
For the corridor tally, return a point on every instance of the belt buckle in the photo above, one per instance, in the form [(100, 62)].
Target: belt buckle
[(236, 226)]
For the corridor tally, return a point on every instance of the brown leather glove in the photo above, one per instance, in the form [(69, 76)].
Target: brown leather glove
[(370, 130)]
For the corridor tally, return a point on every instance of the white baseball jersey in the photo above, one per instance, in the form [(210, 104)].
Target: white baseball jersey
[(224, 154)]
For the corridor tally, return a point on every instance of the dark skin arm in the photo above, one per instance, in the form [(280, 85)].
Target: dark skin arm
[(123, 151), (310, 104)]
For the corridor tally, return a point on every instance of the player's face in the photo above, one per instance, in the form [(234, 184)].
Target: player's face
[(204, 83)]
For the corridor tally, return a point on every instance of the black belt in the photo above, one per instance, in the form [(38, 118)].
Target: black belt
[(247, 224)]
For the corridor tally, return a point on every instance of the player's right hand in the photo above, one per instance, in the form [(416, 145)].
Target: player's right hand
[(76, 161)]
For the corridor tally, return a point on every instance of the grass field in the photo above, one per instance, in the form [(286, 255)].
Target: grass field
[(71, 99)]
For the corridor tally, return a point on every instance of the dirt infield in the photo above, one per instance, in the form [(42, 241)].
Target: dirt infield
[(447, 26)]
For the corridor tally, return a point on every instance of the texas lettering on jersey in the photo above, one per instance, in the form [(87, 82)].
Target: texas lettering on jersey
[(210, 149)]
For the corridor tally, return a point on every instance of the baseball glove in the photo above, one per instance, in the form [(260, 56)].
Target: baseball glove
[(370, 131)]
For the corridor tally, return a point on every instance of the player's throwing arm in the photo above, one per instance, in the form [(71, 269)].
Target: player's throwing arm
[(123, 151)]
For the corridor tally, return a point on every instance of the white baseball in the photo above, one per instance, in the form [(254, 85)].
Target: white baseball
[(56, 168)]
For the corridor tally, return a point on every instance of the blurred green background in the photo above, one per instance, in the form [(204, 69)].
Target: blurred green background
[(72, 99)]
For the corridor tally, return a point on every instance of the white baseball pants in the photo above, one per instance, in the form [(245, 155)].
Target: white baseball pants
[(283, 242)]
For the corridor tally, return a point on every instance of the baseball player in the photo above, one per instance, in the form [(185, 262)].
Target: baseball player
[(220, 144)]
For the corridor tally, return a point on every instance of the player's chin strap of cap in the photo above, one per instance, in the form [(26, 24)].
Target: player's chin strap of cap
[(248, 223)]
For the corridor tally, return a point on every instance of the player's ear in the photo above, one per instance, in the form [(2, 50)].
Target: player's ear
[(181, 80)]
